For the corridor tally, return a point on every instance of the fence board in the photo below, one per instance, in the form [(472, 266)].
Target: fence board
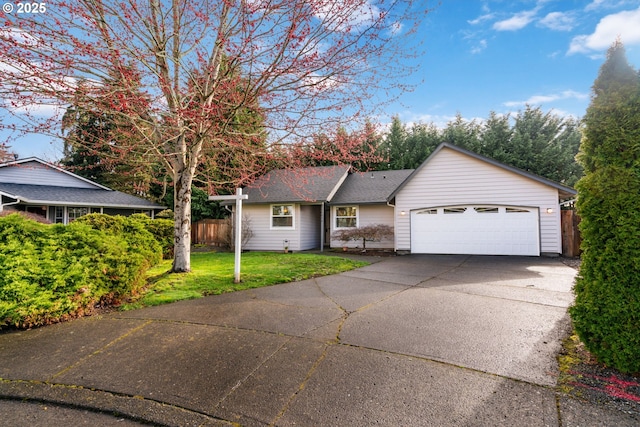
[(570, 233), (212, 232)]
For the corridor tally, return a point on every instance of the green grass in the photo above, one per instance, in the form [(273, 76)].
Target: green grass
[(212, 274)]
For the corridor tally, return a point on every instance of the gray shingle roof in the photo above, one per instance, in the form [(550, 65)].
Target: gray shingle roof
[(312, 185), (370, 187), (51, 195)]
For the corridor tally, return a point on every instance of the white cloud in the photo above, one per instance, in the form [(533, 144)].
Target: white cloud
[(516, 22), (558, 21), (482, 45), (411, 118), (595, 4), (43, 109), (622, 24), (481, 19), (396, 27), (607, 4), (544, 99), (345, 17)]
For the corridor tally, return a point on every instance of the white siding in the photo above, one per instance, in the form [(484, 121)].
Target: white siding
[(267, 239), (304, 236), (35, 173), (452, 178), (367, 214), (310, 227)]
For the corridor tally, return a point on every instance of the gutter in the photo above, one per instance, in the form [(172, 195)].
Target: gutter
[(2, 205)]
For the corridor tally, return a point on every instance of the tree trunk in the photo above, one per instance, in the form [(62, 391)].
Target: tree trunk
[(182, 222)]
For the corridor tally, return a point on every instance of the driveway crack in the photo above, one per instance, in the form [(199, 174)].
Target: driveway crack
[(100, 350)]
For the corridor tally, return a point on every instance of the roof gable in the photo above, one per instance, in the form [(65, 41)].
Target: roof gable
[(370, 187), (563, 191), (33, 171), (315, 184)]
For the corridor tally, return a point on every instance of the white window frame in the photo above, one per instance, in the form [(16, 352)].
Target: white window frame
[(292, 216), (336, 216), (73, 209)]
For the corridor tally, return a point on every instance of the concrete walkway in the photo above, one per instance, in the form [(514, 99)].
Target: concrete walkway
[(411, 341)]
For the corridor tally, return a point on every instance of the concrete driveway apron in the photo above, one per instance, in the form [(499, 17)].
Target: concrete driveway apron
[(408, 340)]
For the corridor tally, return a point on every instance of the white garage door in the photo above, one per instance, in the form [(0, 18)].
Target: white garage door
[(476, 230)]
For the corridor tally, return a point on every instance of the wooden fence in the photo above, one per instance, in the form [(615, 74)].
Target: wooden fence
[(570, 233), (211, 232)]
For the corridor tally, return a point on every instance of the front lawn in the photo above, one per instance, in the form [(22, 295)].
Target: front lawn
[(212, 274)]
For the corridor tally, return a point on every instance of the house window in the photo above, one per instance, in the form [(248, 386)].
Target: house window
[(75, 213), (282, 216), (346, 217)]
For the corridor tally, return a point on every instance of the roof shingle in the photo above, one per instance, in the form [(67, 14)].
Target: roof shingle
[(370, 187), (75, 196), (312, 185)]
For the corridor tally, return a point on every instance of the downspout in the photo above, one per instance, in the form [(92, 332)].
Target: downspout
[(395, 227), (322, 227)]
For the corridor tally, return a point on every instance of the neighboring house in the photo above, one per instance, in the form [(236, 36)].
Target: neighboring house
[(60, 196), (455, 202)]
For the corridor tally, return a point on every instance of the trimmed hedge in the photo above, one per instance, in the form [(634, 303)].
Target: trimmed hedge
[(50, 273), (140, 231)]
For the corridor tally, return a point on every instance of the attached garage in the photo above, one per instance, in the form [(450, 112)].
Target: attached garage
[(476, 230), (459, 202)]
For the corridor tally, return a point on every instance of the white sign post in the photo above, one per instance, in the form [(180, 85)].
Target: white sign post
[(239, 197)]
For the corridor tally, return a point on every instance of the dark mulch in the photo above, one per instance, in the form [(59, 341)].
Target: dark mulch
[(584, 377), (596, 383)]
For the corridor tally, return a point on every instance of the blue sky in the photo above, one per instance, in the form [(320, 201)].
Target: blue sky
[(497, 55)]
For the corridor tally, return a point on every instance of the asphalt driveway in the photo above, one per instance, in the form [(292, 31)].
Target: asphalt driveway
[(409, 340)]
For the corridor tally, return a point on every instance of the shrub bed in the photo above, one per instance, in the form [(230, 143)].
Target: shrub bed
[(50, 273), (140, 231)]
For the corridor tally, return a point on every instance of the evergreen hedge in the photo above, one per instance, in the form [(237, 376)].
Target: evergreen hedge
[(50, 273), (606, 312), (132, 227)]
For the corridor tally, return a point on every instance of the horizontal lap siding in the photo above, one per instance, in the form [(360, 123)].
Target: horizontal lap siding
[(452, 178), (367, 215), (309, 227), (34, 173), (266, 239)]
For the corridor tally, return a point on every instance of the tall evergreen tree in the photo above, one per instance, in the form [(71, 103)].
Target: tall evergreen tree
[(606, 313), (421, 141), (545, 144), (541, 143), (394, 147), (465, 134)]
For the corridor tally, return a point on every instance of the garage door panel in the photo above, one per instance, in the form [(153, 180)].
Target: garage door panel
[(481, 230)]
